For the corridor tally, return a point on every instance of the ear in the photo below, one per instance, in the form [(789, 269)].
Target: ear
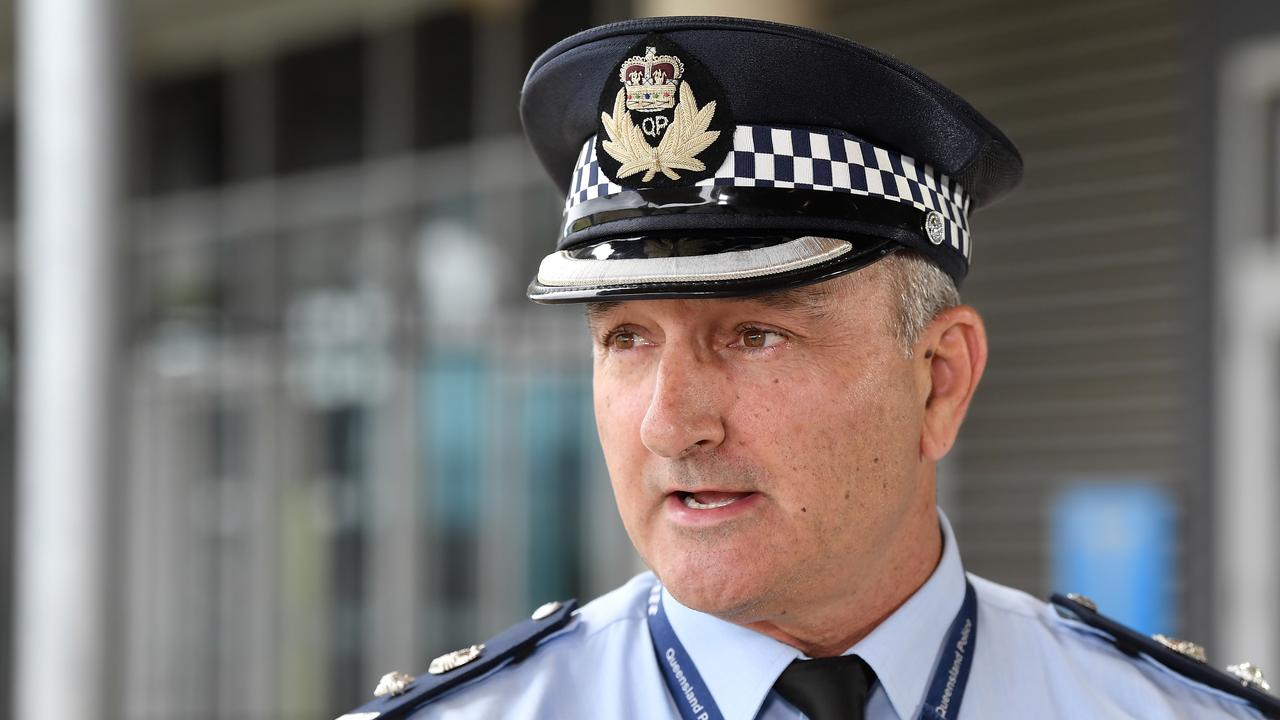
[(949, 359)]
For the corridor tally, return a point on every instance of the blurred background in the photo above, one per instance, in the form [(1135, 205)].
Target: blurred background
[(339, 441)]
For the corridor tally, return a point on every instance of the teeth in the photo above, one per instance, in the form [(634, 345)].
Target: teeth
[(690, 502)]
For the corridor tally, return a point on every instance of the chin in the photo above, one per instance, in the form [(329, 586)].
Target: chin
[(711, 585)]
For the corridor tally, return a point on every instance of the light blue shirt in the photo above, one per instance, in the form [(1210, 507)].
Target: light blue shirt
[(1028, 662)]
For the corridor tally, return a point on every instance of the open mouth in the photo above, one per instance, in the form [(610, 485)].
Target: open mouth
[(710, 500)]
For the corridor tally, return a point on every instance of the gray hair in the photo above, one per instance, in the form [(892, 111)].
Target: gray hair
[(921, 289)]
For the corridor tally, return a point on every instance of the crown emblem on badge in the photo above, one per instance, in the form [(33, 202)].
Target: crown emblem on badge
[(651, 80)]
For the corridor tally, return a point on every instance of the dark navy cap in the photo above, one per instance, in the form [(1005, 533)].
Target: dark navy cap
[(714, 157)]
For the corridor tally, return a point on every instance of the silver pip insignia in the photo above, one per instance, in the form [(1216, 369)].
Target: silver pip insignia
[(393, 683), (1250, 675), (455, 659), (1183, 647)]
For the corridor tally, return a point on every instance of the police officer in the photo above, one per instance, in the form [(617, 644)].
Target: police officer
[(769, 225)]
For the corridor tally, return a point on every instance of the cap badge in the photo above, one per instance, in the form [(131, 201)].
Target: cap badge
[(668, 137)]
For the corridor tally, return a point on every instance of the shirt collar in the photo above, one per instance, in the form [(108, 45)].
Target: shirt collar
[(740, 666)]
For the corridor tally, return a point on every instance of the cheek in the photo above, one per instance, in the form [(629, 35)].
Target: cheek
[(839, 434), (619, 410), (877, 391)]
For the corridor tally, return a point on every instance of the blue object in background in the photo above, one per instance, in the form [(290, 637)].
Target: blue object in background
[(1114, 543), (455, 391), (556, 420)]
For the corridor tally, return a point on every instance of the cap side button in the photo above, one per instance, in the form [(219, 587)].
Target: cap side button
[(934, 227)]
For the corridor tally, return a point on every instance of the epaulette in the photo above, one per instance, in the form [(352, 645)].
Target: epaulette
[(1244, 681), (398, 694)]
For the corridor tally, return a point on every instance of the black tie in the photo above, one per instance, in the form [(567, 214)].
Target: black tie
[(828, 688)]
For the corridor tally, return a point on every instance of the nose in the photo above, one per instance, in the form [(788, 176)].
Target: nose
[(683, 414)]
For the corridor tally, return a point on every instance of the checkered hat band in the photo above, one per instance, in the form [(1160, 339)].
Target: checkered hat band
[(793, 158)]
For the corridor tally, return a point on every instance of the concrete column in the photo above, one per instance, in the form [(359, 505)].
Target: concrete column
[(69, 58), (1246, 346), (796, 12)]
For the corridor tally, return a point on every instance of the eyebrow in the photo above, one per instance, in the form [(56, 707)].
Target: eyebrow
[(598, 309), (812, 301)]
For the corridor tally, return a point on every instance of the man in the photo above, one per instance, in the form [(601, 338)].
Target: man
[(769, 225)]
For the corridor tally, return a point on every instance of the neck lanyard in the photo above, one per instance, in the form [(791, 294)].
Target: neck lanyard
[(693, 698)]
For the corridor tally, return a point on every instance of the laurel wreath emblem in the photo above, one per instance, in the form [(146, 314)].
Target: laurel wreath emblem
[(686, 136)]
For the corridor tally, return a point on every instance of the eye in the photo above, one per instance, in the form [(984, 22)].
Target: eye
[(754, 338), (622, 339)]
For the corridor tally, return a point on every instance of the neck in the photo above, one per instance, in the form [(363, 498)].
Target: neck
[(828, 629)]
